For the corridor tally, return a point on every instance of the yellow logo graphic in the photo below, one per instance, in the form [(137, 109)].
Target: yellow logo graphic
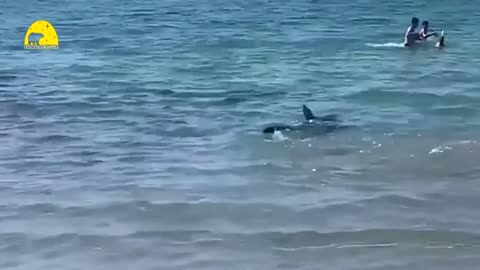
[(41, 35)]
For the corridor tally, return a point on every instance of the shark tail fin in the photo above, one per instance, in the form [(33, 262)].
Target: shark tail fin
[(441, 41), (307, 113)]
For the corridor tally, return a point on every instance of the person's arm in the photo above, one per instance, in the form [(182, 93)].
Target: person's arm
[(434, 33), (424, 35), (416, 35)]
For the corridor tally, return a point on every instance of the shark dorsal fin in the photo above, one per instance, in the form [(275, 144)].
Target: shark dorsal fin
[(307, 113)]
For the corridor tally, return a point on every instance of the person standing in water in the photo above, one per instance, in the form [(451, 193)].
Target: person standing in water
[(411, 36), (424, 35)]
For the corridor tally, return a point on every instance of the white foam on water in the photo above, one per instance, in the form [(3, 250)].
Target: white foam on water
[(388, 44), (439, 149), (449, 146), (278, 136)]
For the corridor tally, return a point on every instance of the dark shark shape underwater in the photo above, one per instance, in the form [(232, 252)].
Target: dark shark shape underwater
[(313, 125)]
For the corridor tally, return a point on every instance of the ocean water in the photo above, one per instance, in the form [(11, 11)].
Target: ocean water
[(137, 144)]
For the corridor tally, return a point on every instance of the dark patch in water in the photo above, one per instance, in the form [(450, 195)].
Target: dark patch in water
[(230, 101), (57, 138), (7, 77), (166, 92)]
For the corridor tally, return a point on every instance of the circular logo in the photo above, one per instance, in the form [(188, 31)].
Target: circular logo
[(41, 35)]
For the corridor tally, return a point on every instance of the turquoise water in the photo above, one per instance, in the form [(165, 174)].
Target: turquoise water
[(138, 144)]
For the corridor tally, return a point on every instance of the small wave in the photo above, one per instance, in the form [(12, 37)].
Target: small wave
[(99, 40), (368, 238), (439, 149), (388, 44), (168, 234), (57, 138), (410, 98), (7, 77), (199, 241), (276, 137), (302, 248), (165, 92), (229, 101), (337, 246), (450, 146), (368, 245), (190, 132)]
